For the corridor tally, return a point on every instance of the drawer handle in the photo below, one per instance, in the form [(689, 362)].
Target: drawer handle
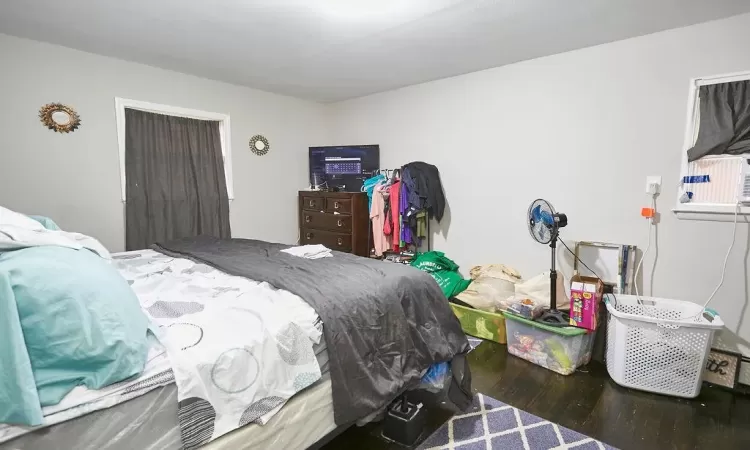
[(340, 242), (309, 236), (308, 219), (340, 223), (336, 205), (312, 203)]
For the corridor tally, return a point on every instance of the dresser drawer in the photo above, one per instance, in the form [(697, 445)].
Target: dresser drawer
[(310, 203), (339, 205), (327, 221), (338, 220), (335, 241)]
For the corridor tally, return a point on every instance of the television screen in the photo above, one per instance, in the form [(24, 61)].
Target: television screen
[(343, 167)]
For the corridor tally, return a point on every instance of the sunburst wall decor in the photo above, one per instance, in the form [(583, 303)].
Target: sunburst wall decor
[(259, 145), (60, 118)]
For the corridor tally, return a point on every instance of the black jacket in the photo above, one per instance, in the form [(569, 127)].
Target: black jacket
[(428, 186)]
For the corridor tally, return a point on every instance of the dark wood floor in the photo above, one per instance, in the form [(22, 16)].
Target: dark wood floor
[(591, 403)]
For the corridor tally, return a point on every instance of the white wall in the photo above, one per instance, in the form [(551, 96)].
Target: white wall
[(74, 178), (581, 129)]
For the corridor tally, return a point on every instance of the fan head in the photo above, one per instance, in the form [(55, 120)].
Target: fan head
[(543, 222)]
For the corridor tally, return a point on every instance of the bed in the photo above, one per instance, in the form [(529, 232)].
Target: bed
[(149, 412), (149, 422)]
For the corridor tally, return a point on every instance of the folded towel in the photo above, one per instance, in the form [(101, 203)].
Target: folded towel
[(310, 251)]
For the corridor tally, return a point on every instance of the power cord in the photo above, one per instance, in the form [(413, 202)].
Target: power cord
[(724, 268), (584, 265), (645, 252)]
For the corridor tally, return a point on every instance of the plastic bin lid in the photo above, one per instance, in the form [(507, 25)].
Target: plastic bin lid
[(563, 331)]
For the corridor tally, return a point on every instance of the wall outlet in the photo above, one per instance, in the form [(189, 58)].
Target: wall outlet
[(653, 184)]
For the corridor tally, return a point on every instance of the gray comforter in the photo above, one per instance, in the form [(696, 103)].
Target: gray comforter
[(384, 323)]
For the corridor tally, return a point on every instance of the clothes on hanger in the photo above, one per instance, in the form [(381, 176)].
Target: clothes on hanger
[(381, 242), (392, 225), (408, 193), (421, 199), (404, 210), (410, 197), (396, 175), (369, 185), (426, 190), (421, 228), (389, 174)]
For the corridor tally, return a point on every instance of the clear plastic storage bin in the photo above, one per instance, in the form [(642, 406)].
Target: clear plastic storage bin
[(561, 349), (659, 345)]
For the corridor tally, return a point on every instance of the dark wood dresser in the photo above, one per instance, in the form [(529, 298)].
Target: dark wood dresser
[(338, 220)]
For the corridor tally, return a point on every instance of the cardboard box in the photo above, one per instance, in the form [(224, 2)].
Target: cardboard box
[(585, 299)]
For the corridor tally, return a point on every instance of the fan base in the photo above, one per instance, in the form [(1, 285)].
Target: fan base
[(554, 318)]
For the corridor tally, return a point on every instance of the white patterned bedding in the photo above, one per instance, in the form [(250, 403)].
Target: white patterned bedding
[(237, 349)]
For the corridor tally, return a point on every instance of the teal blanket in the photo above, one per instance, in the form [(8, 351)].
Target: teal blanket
[(46, 222), (67, 318)]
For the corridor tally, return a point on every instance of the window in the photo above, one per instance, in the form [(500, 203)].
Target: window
[(122, 103), (715, 179)]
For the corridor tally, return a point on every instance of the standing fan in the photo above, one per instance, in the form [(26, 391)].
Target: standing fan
[(544, 227)]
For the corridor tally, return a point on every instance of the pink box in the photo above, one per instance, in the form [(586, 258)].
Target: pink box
[(585, 296)]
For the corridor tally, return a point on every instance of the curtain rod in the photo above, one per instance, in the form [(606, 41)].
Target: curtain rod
[(738, 76)]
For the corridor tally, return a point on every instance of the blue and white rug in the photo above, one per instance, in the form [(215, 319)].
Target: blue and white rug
[(474, 342), (493, 425)]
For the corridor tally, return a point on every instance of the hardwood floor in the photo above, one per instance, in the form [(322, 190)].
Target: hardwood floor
[(591, 403)]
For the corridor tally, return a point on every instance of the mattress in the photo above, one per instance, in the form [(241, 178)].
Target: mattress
[(151, 420)]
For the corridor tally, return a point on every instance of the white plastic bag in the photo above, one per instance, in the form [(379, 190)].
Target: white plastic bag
[(536, 289), (491, 284)]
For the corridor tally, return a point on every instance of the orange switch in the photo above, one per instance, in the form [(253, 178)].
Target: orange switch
[(648, 213)]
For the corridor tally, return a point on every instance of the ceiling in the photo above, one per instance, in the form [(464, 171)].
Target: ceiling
[(331, 50)]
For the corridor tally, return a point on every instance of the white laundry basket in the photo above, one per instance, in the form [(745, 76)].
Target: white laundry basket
[(659, 345)]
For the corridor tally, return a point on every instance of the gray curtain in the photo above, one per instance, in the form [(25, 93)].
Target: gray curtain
[(175, 184), (725, 120)]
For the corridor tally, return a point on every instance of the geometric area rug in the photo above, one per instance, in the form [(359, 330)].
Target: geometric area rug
[(474, 342), (493, 425)]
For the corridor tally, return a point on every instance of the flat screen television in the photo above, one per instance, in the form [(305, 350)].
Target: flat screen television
[(343, 167)]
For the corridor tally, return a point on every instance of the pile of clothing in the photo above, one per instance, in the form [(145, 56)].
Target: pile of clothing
[(400, 206), (491, 284)]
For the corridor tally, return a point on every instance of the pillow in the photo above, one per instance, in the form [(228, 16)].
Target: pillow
[(46, 222), (81, 324)]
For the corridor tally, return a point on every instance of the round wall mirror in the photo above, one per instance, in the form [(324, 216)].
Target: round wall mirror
[(59, 117), (259, 145)]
